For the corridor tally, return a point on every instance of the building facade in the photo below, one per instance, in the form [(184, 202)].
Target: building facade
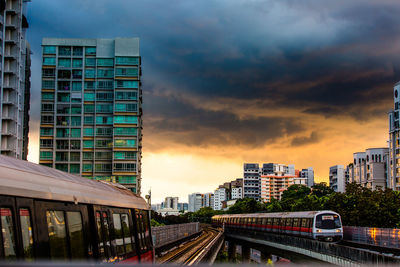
[(208, 200), (195, 202), (171, 203), (251, 181), (337, 178), (393, 174), (309, 175), (15, 79), (370, 169), (91, 108), (220, 195)]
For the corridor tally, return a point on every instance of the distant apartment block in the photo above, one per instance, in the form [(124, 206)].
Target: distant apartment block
[(15, 79), (251, 181), (171, 203), (272, 179), (393, 174), (228, 191), (208, 200), (91, 109), (370, 168), (337, 178), (195, 202)]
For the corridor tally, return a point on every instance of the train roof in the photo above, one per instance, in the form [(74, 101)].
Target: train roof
[(298, 214), (26, 179)]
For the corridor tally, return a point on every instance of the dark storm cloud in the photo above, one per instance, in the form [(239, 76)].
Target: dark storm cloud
[(196, 126), (300, 141), (331, 59)]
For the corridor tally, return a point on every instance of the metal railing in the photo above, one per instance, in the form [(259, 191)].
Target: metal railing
[(382, 237), (163, 235)]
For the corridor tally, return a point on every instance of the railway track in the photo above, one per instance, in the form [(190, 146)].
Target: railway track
[(188, 253)]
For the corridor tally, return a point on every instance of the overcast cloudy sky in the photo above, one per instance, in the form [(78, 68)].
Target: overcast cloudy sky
[(232, 81)]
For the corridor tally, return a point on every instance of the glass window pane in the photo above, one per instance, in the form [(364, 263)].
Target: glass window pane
[(126, 231), (7, 228), (118, 234), (26, 233), (107, 235), (75, 230), (100, 237), (57, 235)]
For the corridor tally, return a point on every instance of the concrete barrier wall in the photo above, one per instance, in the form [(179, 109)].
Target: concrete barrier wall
[(163, 235), (382, 237)]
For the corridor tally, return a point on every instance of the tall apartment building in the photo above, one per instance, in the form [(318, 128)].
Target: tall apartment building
[(171, 203), (393, 179), (337, 178), (208, 200), (273, 185), (91, 112), (308, 174), (15, 79), (370, 168), (195, 202), (251, 180)]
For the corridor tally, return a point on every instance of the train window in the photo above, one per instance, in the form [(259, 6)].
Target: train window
[(118, 234), (57, 234), (264, 221), (26, 233), (269, 220), (282, 222), (127, 234), (7, 229), (289, 222), (106, 234), (100, 237), (139, 219), (75, 232), (295, 222)]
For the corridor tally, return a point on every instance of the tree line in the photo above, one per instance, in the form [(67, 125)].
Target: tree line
[(358, 206)]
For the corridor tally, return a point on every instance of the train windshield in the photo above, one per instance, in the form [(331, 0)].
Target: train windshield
[(328, 221)]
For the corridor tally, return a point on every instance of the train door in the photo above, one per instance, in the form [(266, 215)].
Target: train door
[(27, 229), (63, 231), (102, 248)]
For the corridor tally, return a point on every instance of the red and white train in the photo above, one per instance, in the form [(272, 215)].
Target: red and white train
[(321, 225)]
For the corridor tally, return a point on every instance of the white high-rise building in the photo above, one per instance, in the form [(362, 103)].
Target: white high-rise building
[(393, 161), (171, 203), (220, 195), (309, 175), (208, 200), (14, 80), (337, 179), (251, 181)]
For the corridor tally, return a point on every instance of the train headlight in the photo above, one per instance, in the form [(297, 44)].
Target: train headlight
[(319, 231), (338, 230)]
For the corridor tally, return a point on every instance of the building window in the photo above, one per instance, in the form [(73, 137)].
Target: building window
[(75, 156), (88, 143), (48, 84), (77, 74), (49, 73), (87, 167), (74, 168), (46, 143), (127, 60), (76, 86), (104, 131), (75, 133), (89, 96), (105, 73), (104, 120), (125, 107), (88, 132), (46, 119), (103, 143), (88, 108), (49, 61), (104, 96), (64, 63), (124, 72), (126, 179), (49, 49), (76, 121), (130, 167), (105, 62), (47, 96), (126, 84), (125, 155), (106, 84), (102, 167), (46, 155), (78, 51), (104, 108), (47, 107), (103, 155), (62, 132), (63, 97), (90, 62), (89, 85), (64, 51), (87, 155), (77, 63), (125, 131), (125, 143), (90, 50), (127, 95), (90, 73), (88, 120), (125, 119)]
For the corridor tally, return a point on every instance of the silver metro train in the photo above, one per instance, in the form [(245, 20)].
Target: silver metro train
[(321, 225)]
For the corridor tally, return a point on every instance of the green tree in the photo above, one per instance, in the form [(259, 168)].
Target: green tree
[(321, 189), (246, 205)]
